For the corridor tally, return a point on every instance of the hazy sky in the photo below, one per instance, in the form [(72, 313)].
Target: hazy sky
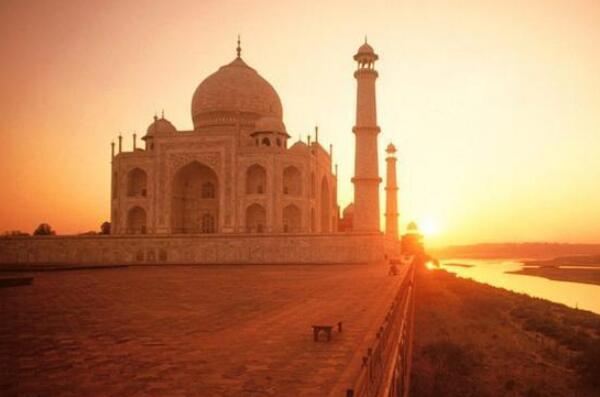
[(494, 105)]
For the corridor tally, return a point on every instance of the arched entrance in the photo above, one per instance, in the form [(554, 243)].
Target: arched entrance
[(137, 183), (256, 218), (136, 221), (292, 182), (256, 180), (292, 219), (195, 200)]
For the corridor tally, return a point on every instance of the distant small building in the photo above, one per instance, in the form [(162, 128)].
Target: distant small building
[(412, 241), (346, 222)]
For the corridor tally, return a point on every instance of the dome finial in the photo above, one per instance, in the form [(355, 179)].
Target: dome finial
[(365, 39), (238, 48), (162, 114)]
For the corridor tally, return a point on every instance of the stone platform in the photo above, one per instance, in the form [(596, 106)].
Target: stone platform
[(189, 330)]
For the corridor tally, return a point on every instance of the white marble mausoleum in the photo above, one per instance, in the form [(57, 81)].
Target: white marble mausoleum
[(235, 172)]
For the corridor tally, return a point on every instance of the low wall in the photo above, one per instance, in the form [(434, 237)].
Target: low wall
[(192, 249), (392, 247)]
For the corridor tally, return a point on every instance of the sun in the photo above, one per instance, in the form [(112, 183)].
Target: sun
[(429, 226)]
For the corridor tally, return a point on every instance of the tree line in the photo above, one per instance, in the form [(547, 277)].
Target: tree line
[(44, 229)]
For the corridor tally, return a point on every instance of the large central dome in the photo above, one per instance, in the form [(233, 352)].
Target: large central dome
[(234, 88)]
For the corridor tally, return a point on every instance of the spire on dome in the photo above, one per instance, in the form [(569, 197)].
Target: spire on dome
[(239, 47)]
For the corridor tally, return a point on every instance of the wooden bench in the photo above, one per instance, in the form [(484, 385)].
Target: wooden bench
[(325, 328)]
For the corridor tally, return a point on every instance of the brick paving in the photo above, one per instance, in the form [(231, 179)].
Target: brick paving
[(187, 331)]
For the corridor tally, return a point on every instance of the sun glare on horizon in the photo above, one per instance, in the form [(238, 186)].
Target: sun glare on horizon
[(430, 227)]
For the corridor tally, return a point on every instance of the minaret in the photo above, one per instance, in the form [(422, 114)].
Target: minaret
[(391, 194), (366, 173)]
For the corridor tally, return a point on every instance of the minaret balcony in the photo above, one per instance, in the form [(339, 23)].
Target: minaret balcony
[(365, 72), (366, 129), (366, 179)]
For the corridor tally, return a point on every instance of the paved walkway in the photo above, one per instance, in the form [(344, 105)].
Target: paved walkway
[(187, 331)]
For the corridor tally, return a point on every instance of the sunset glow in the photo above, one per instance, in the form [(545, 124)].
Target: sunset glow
[(493, 107), (430, 227)]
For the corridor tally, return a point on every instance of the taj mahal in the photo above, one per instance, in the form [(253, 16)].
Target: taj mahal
[(234, 172), (236, 189)]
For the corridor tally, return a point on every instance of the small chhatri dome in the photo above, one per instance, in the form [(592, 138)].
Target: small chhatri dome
[(234, 88), (391, 149), (160, 126), (299, 146), (366, 49), (270, 124), (366, 53), (412, 227)]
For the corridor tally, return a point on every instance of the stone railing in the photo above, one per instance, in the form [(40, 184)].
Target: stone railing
[(385, 369)]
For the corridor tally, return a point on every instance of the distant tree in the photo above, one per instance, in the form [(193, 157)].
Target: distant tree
[(12, 233), (105, 228), (44, 229)]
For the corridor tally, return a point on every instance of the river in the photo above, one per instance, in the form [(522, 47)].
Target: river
[(493, 272)]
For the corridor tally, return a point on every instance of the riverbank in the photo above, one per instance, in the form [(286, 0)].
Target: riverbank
[(577, 269), (472, 339), (565, 261), (575, 275)]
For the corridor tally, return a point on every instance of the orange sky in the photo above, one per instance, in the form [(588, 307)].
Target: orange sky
[(494, 105)]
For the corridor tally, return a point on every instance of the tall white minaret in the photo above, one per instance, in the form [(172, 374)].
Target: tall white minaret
[(391, 194), (366, 173)]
